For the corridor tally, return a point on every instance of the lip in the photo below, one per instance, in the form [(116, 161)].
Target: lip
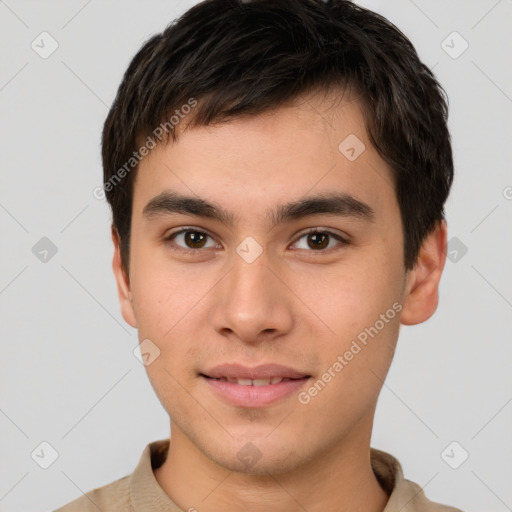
[(253, 396)]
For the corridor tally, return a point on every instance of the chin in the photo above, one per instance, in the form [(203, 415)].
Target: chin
[(251, 460), (254, 454)]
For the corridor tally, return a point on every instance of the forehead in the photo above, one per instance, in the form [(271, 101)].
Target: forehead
[(315, 145)]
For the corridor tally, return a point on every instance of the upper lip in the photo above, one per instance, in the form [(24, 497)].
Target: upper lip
[(263, 371)]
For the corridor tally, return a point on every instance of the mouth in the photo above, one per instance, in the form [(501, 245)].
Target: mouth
[(254, 382), (254, 387)]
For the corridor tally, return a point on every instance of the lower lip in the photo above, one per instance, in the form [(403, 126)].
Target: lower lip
[(254, 396)]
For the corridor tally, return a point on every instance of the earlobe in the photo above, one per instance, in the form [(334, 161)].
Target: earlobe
[(123, 282), (421, 293)]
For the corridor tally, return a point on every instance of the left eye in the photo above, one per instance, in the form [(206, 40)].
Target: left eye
[(320, 240)]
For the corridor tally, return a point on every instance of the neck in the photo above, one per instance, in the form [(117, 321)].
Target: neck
[(340, 479)]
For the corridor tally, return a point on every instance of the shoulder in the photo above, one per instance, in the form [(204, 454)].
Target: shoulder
[(114, 497), (418, 500), (403, 493), (133, 491)]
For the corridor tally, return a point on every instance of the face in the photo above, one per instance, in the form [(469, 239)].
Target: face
[(297, 263)]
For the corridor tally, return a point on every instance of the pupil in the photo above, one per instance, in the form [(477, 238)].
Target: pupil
[(318, 237), (196, 239)]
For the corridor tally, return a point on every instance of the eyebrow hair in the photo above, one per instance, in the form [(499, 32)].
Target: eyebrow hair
[(341, 204)]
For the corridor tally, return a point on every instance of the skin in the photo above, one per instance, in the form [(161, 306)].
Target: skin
[(294, 305)]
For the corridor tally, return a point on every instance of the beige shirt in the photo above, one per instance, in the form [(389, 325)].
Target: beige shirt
[(140, 491)]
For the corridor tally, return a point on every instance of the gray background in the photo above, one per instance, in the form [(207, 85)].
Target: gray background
[(68, 373)]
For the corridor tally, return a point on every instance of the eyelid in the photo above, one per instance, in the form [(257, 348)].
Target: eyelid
[(184, 229)]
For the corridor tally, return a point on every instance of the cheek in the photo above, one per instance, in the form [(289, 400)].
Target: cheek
[(168, 302), (364, 316), (163, 292), (151, 298), (347, 298), (164, 300)]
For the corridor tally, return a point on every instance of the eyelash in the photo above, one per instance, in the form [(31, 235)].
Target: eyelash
[(170, 238)]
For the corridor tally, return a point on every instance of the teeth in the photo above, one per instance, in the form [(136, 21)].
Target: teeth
[(261, 382), (244, 382), (253, 382)]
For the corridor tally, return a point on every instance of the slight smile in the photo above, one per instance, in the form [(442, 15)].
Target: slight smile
[(254, 387)]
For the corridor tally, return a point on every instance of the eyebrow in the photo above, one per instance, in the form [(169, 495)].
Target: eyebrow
[(340, 204)]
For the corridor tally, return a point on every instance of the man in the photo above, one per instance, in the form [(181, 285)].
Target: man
[(277, 173)]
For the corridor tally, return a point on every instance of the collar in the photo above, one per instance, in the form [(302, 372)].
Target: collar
[(146, 495)]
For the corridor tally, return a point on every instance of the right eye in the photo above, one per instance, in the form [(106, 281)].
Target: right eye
[(189, 240)]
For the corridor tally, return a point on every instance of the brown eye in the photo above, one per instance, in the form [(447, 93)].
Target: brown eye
[(190, 240), (195, 239), (319, 241)]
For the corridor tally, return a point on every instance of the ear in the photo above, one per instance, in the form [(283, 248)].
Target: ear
[(422, 283), (123, 282)]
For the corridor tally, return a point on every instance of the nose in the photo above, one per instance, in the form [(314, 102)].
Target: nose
[(252, 304)]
